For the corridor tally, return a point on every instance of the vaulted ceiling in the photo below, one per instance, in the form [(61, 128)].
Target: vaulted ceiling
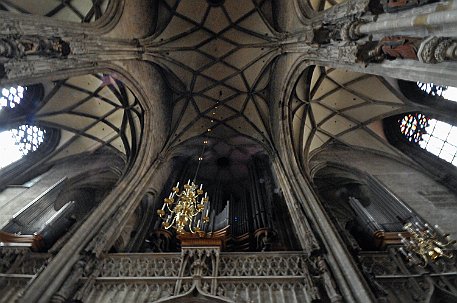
[(332, 105), (92, 111), (218, 57), (221, 57)]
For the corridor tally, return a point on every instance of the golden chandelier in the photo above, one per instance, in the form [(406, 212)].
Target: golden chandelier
[(186, 213), (425, 244)]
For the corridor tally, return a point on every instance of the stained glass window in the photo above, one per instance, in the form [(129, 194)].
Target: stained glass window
[(18, 142), (437, 137), (413, 126)]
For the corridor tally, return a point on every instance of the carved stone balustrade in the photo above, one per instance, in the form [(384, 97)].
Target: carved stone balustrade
[(230, 277), (390, 279)]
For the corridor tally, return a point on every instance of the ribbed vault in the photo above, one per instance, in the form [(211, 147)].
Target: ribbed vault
[(332, 105), (219, 53), (92, 111)]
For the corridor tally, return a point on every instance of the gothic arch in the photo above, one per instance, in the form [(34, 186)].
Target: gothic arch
[(361, 206), (324, 105), (433, 104)]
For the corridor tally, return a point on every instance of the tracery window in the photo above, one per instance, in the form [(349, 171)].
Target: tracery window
[(437, 137), (17, 142), (12, 96), (446, 92)]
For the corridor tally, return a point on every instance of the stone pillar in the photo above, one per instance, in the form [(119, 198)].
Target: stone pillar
[(310, 219), (33, 48)]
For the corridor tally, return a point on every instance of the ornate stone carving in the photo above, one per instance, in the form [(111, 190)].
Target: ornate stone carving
[(346, 10), (21, 46), (254, 277), (329, 283), (146, 265), (270, 264), (349, 30), (390, 48), (437, 49)]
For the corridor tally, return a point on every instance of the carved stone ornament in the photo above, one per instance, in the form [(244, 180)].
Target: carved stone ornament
[(329, 283), (437, 49), (390, 48), (349, 31), (21, 46)]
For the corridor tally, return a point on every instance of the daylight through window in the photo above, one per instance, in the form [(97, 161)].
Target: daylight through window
[(447, 92), (16, 143), (437, 137)]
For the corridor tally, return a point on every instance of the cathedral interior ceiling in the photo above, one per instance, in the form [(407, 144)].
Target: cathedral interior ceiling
[(218, 57), (222, 57), (73, 11), (331, 105), (92, 111), (230, 49)]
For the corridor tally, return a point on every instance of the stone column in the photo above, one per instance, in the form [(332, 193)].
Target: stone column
[(310, 219), (33, 48)]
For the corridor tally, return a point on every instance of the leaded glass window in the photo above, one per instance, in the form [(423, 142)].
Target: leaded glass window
[(28, 138), (441, 140), (12, 96), (437, 137), (413, 126)]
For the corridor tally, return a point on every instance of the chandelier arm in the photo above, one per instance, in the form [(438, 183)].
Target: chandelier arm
[(190, 226), (168, 207), (171, 224)]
